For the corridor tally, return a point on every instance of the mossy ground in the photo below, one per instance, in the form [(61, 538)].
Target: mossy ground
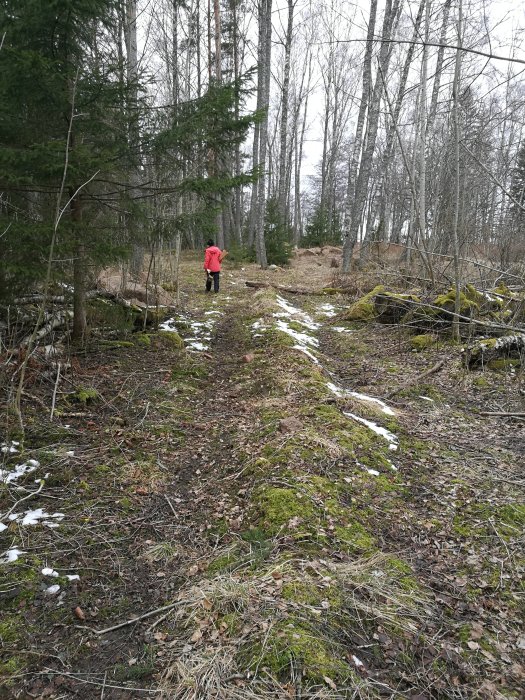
[(285, 549)]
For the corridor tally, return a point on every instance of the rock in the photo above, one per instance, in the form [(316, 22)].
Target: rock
[(364, 309), (331, 250), (308, 252), (250, 357), (273, 267), (290, 424), (420, 342)]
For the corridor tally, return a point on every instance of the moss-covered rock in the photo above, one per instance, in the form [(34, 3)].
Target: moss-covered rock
[(447, 301), (171, 339), (422, 342), (364, 309)]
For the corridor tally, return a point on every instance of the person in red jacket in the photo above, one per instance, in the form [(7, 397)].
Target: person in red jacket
[(213, 257)]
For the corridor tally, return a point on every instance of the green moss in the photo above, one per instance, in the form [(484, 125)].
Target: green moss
[(11, 667), (171, 339), (225, 562), (126, 503), (10, 630), (447, 301), (279, 505), (143, 339), (355, 538), (85, 395), (473, 295), (402, 573), (102, 469), (292, 642), (481, 382), (189, 367), (306, 592), (364, 309), (423, 341), (503, 363), (512, 514)]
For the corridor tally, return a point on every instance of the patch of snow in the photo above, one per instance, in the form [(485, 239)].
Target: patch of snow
[(20, 470), (3, 527), (301, 338), (11, 555), (341, 329), (197, 345), (70, 454), (341, 393), (363, 397), (383, 432), (53, 590), (426, 398), (374, 472), (301, 348), (306, 321), (327, 310), (73, 577), (357, 661), (9, 449), (34, 517), (210, 313), (49, 572)]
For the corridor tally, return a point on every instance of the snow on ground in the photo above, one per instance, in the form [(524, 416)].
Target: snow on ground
[(383, 432), (37, 517), (10, 555), (342, 329), (200, 335), (10, 449), (20, 470), (327, 310), (301, 338), (341, 393)]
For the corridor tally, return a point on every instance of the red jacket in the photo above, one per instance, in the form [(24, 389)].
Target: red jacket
[(212, 259)]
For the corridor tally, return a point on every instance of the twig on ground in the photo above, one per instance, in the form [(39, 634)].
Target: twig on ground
[(502, 413), (415, 380), (133, 619), (53, 400)]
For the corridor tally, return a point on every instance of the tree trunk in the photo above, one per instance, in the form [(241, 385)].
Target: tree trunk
[(365, 166), (363, 106), (283, 150), (455, 115), (79, 273), (265, 36)]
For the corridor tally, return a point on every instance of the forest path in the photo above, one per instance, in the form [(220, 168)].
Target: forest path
[(229, 480)]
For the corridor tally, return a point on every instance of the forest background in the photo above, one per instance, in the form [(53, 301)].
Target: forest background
[(130, 129)]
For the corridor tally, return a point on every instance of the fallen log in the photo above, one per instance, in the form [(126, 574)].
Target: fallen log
[(55, 321), (508, 349), (415, 380), (292, 290)]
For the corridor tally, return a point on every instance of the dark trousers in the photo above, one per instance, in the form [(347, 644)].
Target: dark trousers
[(215, 277)]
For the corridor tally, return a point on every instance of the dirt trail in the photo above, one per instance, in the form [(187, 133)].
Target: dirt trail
[(231, 480)]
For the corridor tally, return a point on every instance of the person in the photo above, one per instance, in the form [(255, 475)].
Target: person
[(213, 257)]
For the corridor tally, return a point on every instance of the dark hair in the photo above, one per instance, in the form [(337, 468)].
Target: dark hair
[(210, 242)]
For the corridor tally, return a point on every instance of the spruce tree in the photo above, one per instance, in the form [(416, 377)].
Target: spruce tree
[(62, 141)]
